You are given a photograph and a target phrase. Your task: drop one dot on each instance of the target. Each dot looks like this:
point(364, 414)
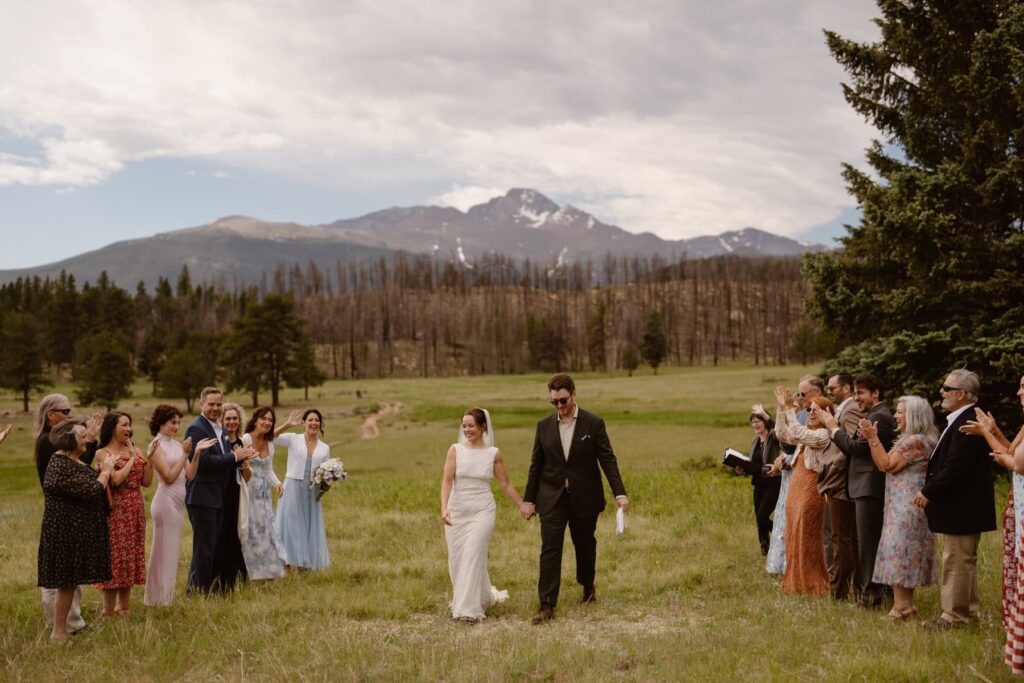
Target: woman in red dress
point(127, 513)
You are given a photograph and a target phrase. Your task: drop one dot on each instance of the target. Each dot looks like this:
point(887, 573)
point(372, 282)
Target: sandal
point(896, 615)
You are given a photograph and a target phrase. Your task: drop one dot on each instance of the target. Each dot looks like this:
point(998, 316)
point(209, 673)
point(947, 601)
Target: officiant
point(763, 451)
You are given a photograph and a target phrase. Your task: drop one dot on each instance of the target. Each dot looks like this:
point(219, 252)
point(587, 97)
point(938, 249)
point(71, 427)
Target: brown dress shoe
point(589, 595)
point(546, 613)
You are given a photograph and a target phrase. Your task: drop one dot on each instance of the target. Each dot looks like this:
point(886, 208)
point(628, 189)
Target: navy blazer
point(863, 478)
point(217, 463)
point(958, 485)
point(549, 468)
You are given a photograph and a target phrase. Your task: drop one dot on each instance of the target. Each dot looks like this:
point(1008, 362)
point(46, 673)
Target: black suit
point(865, 485)
point(958, 484)
point(204, 498)
point(766, 489)
point(569, 491)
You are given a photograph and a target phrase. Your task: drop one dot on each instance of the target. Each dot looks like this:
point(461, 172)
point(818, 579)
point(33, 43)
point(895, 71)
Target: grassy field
point(682, 595)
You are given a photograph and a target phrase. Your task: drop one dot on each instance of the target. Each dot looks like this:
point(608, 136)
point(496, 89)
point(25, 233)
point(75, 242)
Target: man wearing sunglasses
point(564, 487)
point(959, 501)
point(53, 410)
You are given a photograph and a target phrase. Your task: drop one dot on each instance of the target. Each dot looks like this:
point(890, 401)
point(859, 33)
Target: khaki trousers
point(959, 597)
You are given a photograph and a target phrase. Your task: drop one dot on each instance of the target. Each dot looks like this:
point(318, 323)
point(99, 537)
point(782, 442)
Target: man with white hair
point(959, 501)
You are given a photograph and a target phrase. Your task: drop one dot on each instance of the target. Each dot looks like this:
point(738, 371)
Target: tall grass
point(682, 595)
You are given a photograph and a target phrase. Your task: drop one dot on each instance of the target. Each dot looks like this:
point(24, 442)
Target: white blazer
point(296, 445)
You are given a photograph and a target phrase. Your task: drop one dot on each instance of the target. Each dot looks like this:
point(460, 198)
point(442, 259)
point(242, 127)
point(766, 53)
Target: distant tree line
point(403, 316)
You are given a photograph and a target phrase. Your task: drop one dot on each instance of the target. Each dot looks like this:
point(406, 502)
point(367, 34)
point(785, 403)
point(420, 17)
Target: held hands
point(527, 510)
point(280, 489)
point(920, 501)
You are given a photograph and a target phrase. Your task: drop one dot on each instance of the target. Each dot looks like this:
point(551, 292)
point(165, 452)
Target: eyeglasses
point(66, 411)
point(799, 394)
point(561, 401)
point(947, 388)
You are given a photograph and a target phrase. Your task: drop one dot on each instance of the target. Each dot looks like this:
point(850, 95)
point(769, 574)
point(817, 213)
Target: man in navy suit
point(204, 495)
point(564, 487)
point(959, 501)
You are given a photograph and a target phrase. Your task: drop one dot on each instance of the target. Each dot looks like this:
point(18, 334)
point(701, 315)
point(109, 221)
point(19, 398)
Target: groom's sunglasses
point(560, 401)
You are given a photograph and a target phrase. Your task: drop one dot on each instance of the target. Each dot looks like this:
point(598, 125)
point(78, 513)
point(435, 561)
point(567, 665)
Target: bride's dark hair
point(478, 416)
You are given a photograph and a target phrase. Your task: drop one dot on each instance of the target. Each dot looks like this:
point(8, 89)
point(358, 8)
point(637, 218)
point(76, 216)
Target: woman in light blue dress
point(257, 530)
point(300, 516)
point(776, 561)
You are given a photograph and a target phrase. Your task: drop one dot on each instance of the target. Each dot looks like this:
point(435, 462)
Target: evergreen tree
point(596, 336)
point(630, 358)
point(264, 344)
point(22, 366)
point(303, 370)
point(189, 367)
point(653, 344)
point(933, 276)
point(103, 369)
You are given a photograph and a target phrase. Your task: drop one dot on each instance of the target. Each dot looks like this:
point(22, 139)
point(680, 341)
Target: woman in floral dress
point(261, 544)
point(127, 513)
point(906, 549)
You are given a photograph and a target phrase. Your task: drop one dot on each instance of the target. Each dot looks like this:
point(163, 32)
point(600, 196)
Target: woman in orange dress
point(806, 571)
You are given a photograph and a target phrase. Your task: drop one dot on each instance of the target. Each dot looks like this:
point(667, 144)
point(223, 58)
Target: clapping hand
point(92, 427)
point(108, 463)
point(186, 445)
point(5, 431)
point(782, 395)
point(152, 448)
point(984, 424)
point(869, 430)
point(827, 419)
point(204, 444)
point(245, 453)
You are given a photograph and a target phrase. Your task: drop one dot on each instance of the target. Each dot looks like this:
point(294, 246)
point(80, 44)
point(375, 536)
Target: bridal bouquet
point(328, 472)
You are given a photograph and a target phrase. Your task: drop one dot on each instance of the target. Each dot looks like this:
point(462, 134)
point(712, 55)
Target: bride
point(467, 509)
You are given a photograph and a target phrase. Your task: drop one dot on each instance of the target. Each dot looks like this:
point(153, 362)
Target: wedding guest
point(468, 512)
point(74, 544)
point(53, 410)
point(1009, 455)
point(300, 516)
point(833, 485)
point(257, 530)
point(906, 550)
point(763, 451)
point(959, 500)
point(811, 387)
point(806, 570)
point(127, 514)
point(168, 457)
point(865, 482)
point(230, 562)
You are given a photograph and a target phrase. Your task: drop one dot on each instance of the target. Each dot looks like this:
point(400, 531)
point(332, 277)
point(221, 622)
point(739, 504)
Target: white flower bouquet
point(328, 472)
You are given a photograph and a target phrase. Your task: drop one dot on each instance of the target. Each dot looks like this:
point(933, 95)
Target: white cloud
point(680, 117)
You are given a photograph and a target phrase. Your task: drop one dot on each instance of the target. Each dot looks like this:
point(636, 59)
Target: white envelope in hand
point(620, 520)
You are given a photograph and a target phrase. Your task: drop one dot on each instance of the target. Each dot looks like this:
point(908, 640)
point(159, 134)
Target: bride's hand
point(446, 517)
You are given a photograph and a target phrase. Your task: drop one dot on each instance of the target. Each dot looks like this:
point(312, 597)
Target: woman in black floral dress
point(74, 546)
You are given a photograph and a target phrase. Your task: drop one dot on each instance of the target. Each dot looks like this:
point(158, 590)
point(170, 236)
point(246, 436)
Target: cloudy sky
point(681, 117)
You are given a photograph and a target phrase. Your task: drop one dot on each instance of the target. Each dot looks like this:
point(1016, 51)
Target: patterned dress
point(906, 550)
point(261, 544)
point(1013, 576)
point(127, 531)
point(74, 546)
point(776, 562)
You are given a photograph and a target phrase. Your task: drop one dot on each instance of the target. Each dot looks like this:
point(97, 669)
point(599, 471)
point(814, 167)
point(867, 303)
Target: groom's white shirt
point(566, 430)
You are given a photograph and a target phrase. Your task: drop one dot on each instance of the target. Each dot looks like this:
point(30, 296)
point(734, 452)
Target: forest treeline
point(402, 316)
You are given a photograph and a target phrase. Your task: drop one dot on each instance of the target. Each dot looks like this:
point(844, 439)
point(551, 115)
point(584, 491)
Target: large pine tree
point(933, 276)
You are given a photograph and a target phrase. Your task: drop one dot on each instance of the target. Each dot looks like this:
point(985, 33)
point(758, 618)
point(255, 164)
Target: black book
point(733, 458)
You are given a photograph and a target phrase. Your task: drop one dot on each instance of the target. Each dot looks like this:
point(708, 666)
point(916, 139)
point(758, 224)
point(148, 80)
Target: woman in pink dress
point(167, 509)
point(127, 514)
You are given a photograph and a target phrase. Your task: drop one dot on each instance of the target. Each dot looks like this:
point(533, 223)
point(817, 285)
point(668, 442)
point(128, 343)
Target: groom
point(565, 488)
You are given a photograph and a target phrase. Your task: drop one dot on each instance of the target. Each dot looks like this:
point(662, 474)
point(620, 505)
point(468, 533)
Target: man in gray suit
point(865, 483)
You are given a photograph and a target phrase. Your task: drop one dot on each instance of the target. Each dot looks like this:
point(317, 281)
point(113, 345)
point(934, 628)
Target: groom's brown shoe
point(546, 613)
point(589, 595)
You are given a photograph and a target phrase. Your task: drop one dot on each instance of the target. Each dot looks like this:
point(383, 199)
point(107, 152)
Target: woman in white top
point(257, 529)
point(467, 510)
point(300, 516)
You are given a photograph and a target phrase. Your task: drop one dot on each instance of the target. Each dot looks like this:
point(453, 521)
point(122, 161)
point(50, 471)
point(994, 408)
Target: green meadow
point(682, 595)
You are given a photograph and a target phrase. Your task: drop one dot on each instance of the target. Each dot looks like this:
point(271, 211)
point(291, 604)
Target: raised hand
point(204, 444)
point(295, 418)
point(5, 431)
point(869, 430)
point(92, 427)
point(758, 409)
point(781, 399)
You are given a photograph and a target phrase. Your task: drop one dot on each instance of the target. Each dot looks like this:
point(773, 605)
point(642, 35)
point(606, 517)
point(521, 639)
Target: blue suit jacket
point(216, 464)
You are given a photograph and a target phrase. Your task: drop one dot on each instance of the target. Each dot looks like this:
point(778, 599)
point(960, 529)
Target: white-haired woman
point(906, 550)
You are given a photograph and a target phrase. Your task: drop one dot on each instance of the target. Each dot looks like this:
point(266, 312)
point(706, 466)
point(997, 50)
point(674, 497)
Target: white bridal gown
point(471, 506)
